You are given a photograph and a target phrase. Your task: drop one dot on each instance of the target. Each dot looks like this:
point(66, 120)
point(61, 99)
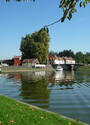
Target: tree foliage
point(79, 57)
point(87, 58)
point(68, 6)
point(67, 53)
point(53, 53)
point(36, 45)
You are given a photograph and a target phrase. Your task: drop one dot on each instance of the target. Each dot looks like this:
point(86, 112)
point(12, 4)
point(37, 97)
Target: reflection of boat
point(59, 76)
point(0, 70)
point(59, 68)
point(62, 76)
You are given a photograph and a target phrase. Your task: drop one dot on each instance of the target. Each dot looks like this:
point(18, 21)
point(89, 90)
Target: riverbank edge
point(64, 119)
point(85, 68)
point(25, 69)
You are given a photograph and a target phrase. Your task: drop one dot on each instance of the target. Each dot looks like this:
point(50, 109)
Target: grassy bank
point(24, 69)
point(84, 69)
point(13, 112)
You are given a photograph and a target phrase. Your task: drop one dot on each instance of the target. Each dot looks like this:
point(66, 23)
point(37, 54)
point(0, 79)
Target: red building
point(17, 60)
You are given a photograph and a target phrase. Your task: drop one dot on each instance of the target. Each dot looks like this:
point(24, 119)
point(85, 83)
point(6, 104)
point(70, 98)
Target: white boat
point(59, 68)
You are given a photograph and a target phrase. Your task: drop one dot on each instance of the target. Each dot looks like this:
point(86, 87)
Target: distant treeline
point(80, 57)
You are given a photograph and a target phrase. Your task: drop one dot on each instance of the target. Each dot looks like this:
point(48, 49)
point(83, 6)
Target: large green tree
point(68, 7)
point(36, 45)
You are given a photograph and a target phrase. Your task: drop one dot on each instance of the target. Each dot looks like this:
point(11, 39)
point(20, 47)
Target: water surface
point(67, 93)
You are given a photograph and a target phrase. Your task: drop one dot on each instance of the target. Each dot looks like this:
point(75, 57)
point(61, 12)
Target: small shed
point(30, 62)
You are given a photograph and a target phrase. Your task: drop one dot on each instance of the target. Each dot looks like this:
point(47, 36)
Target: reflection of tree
point(35, 89)
point(82, 77)
point(68, 85)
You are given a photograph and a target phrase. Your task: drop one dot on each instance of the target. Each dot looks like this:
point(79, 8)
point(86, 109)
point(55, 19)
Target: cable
point(53, 23)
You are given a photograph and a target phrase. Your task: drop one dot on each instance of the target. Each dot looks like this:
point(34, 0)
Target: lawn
point(13, 112)
point(84, 69)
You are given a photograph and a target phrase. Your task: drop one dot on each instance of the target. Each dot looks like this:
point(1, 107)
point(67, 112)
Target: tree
point(36, 45)
point(68, 53)
point(53, 53)
point(87, 58)
point(68, 7)
point(79, 57)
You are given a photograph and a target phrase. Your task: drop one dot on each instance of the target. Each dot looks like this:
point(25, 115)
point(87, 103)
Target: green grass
point(13, 112)
point(84, 69)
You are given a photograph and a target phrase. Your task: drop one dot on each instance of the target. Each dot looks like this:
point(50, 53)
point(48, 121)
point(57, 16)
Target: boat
point(59, 68)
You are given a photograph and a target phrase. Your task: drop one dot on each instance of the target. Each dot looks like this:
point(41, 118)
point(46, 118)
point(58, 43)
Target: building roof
point(54, 57)
point(68, 58)
point(30, 61)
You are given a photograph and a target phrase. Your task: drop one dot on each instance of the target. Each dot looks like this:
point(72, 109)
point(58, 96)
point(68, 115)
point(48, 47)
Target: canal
point(64, 92)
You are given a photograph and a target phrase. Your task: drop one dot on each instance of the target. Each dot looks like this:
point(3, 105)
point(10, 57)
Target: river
point(64, 92)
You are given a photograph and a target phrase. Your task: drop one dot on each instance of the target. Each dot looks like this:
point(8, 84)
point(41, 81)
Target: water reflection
point(33, 87)
point(61, 76)
point(62, 92)
point(62, 80)
point(35, 91)
point(17, 78)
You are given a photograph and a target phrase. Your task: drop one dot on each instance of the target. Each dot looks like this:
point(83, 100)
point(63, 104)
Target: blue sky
point(19, 19)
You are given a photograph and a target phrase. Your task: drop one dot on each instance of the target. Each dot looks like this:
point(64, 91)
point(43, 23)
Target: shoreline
point(84, 69)
point(24, 69)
